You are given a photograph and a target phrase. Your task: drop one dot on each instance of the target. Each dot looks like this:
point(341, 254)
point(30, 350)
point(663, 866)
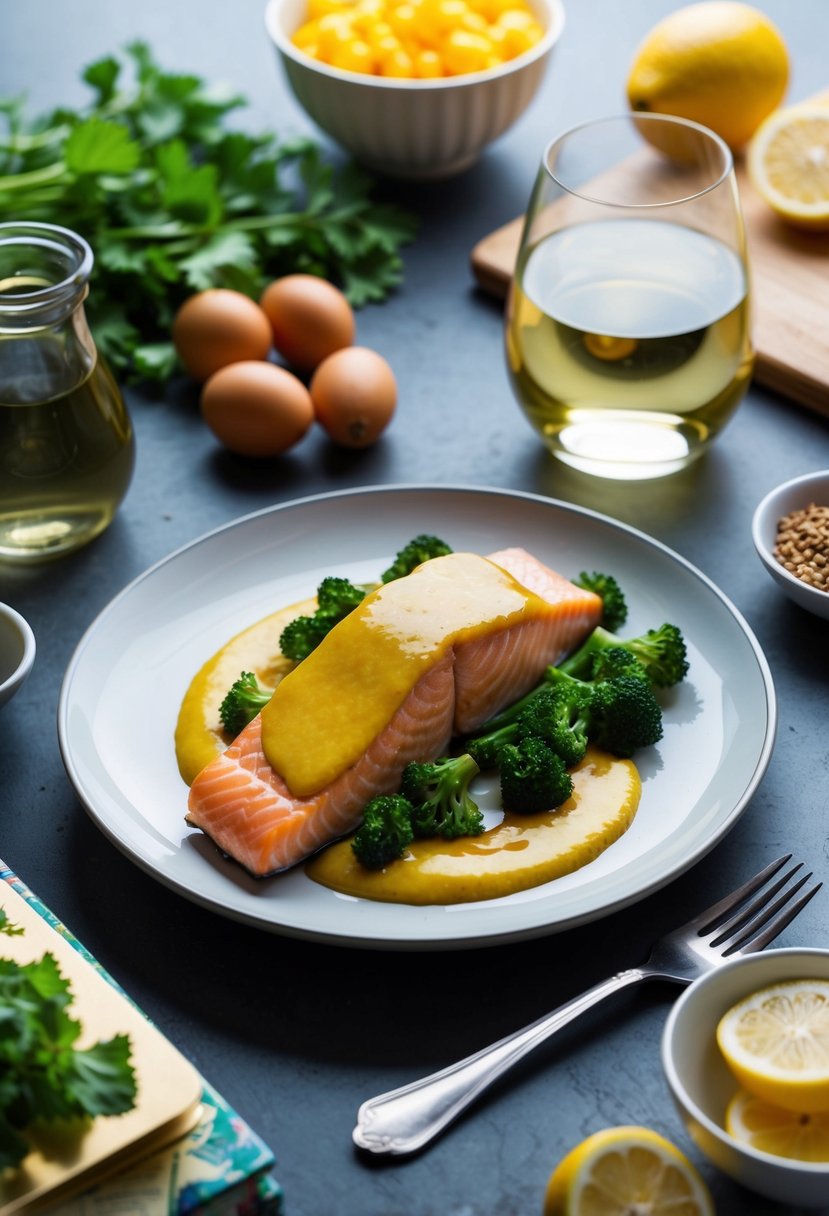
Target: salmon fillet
point(246, 808)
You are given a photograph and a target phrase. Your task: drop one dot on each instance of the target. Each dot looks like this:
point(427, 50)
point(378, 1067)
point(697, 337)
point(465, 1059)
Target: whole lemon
point(719, 63)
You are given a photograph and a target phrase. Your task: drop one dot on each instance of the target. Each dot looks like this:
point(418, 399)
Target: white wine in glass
point(627, 333)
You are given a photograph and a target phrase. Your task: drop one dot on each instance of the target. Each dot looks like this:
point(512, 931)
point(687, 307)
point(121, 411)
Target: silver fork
point(404, 1120)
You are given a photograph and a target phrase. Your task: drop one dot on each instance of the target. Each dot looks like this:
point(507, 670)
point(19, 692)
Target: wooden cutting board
point(790, 285)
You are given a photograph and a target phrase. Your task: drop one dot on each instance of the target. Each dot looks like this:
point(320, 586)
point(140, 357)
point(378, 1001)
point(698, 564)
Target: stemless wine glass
point(627, 329)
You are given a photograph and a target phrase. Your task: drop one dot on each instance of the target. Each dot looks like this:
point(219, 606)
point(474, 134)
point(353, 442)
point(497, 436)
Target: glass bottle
point(66, 440)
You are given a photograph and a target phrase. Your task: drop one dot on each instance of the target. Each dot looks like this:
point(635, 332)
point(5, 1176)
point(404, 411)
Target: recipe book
point(181, 1152)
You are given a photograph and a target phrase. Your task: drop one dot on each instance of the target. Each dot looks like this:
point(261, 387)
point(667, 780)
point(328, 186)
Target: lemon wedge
point(783, 1133)
point(720, 63)
point(776, 1042)
point(788, 163)
point(620, 1170)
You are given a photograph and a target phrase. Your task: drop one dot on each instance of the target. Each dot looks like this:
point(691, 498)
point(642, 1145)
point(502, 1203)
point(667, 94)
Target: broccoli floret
point(439, 794)
point(549, 714)
point(661, 651)
point(533, 777)
point(420, 549)
point(242, 703)
point(559, 718)
point(336, 597)
point(622, 714)
point(616, 661)
point(615, 609)
point(385, 832)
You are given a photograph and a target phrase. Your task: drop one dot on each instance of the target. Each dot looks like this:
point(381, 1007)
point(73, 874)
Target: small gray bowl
point(702, 1085)
point(17, 651)
point(790, 496)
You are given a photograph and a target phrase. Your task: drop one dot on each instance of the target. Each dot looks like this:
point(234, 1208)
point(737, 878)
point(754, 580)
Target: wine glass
point(627, 327)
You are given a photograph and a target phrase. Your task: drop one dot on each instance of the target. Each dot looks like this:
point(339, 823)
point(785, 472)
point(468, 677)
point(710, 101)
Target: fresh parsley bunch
point(173, 202)
point(42, 1075)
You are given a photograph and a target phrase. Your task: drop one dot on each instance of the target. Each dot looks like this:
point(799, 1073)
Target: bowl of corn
point(414, 89)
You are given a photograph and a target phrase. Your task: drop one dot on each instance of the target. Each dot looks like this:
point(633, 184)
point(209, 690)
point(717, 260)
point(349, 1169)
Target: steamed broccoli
point(242, 703)
point(385, 832)
point(617, 661)
point(420, 549)
point(439, 794)
point(533, 777)
point(547, 714)
point(621, 713)
point(661, 651)
point(336, 597)
point(615, 609)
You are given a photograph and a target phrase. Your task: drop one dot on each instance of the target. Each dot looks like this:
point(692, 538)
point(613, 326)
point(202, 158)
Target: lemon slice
point(788, 162)
point(626, 1169)
point(783, 1133)
point(776, 1042)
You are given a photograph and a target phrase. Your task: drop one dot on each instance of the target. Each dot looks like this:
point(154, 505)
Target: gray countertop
point(296, 1034)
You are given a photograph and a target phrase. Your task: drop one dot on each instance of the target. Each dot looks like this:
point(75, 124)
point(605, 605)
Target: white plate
point(121, 694)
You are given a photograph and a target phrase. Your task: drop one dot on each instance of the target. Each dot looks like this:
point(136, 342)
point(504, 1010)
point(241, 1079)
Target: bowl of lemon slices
point(745, 1052)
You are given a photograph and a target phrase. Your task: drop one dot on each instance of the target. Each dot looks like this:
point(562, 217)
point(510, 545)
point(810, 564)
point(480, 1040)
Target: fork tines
point(750, 924)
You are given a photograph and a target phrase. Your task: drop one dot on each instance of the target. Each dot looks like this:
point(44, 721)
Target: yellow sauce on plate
point(522, 851)
point(199, 736)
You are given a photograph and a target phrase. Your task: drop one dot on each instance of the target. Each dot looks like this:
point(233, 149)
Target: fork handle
point(404, 1120)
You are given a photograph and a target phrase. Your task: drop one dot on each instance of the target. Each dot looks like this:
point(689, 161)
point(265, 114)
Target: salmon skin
point(246, 808)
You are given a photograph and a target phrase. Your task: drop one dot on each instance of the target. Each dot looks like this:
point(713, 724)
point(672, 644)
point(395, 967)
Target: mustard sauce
point(523, 851)
point(323, 716)
point(199, 736)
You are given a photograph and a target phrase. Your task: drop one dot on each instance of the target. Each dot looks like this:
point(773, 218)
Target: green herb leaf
point(103, 1082)
point(172, 202)
point(97, 146)
point(42, 1076)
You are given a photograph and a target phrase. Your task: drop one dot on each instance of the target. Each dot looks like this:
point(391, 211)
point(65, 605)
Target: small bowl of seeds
point(791, 535)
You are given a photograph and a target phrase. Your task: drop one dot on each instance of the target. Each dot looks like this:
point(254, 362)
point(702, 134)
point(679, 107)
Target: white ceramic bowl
point(791, 496)
point(412, 128)
point(17, 651)
point(702, 1085)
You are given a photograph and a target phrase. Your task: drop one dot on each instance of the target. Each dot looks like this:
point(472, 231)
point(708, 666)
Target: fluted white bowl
point(17, 651)
point(415, 129)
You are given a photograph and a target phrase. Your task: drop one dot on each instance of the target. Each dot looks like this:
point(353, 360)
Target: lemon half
point(783, 1133)
point(788, 163)
point(719, 63)
point(620, 1170)
point(776, 1042)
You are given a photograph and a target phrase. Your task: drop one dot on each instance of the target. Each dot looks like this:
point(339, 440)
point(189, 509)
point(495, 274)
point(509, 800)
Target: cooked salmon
point(246, 807)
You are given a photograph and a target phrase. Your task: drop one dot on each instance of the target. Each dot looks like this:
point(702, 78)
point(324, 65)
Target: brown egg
point(256, 408)
point(218, 327)
point(354, 394)
point(310, 319)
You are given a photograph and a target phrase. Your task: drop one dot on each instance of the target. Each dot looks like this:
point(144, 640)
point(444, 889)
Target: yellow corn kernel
point(332, 31)
point(521, 31)
point(473, 22)
point(374, 32)
point(398, 63)
point(322, 8)
point(464, 51)
point(403, 19)
point(436, 16)
point(353, 56)
point(372, 10)
point(306, 35)
point(428, 64)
